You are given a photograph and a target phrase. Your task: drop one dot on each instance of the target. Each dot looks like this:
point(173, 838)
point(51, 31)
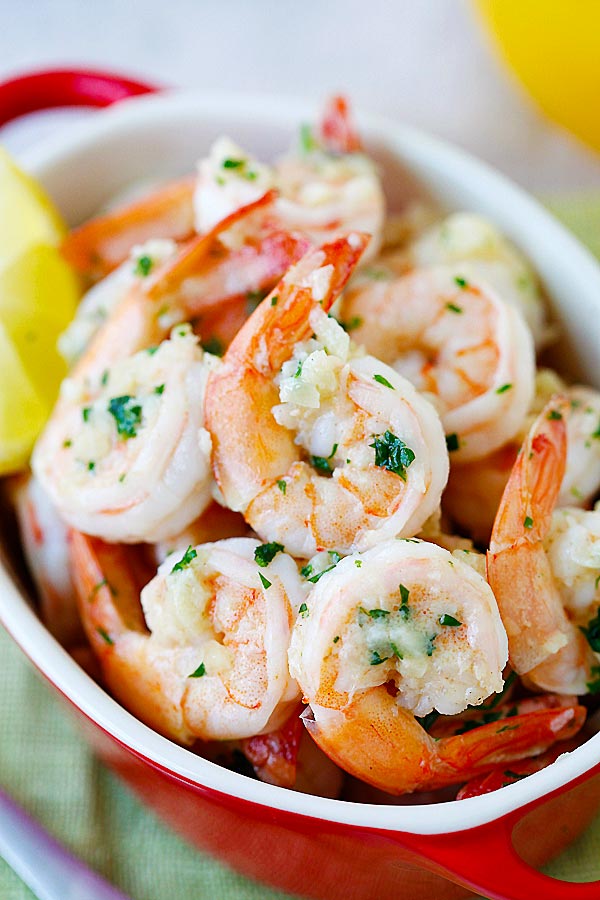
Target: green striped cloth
point(48, 768)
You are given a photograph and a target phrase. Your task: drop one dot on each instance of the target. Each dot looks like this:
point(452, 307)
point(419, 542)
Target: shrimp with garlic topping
point(391, 635)
point(200, 651)
point(455, 339)
point(128, 457)
point(318, 445)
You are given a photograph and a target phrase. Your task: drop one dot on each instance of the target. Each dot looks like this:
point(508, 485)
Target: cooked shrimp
point(207, 657)
point(474, 489)
point(474, 243)
point(100, 302)
point(543, 642)
point(325, 190)
point(352, 454)
point(126, 457)
point(402, 630)
point(455, 339)
point(45, 542)
point(103, 243)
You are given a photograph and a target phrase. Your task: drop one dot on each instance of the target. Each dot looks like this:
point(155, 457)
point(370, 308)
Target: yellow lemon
point(38, 297)
point(22, 410)
point(554, 48)
point(27, 216)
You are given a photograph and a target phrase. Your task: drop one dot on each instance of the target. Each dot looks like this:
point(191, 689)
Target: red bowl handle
point(65, 87)
point(484, 860)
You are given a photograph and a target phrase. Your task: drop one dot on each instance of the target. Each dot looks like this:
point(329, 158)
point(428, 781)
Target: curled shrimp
point(327, 188)
point(543, 642)
point(203, 655)
point(402, 630)
point(474, 489)
point(473, 242)
point(126, 457)
point(45, 542)
point(104, 242)
point(456, 339)
point(352, 454)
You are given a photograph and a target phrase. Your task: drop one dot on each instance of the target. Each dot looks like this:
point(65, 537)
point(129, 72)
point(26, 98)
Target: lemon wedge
point(38, 298)
point(27, 216)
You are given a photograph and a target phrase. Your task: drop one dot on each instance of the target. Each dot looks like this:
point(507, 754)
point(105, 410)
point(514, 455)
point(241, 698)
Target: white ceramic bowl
point(164, 135)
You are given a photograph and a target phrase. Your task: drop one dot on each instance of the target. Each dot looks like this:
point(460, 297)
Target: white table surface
point(427, 62)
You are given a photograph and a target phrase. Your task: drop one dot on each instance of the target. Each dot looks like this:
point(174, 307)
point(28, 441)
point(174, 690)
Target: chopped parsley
point(143, 266)
point(308, 144)
point(264, 581)
point(594, 685)
point(274, 301)
point(395, 650)
point(98, 587)
point(452, 307)
point(528, 522)
point(351, 324)
point(239, 166)
point(253, 298)
point(391, 453)
point(151, 350)
point(462, 283)
point(554, 414)
point(503, 388)
point(159, 389)
point(336, 639)
point(376, 659)
point(185, 561)
point(91, 465)
point(105, 636)
point(449, 620)
point(597, 582)
point(592, 632)
point(306, 571)
point(404, 608)
point(303, 610)
point(381, 380)
point(430, 645)
point(233, 163)
point(596, 433)
point(452, 442)
point(127, 415)
point(67, 443)
point(427, 721)
point(358, 564)
point(322, 462)
point(85, 413)
point(507, 728)
point(199, 672)
point(213, 345)
point(282, 485)
point(265, 554)
point(104, 378)
point(378, 613)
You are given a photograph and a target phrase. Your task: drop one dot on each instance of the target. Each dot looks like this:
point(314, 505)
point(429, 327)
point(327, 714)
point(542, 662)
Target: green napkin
point(46, 766)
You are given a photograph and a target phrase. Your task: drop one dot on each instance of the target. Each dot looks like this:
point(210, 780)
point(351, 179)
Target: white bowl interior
point(161, 136)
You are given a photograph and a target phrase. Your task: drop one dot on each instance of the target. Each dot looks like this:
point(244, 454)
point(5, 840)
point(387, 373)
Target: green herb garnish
point(105, 636)
point(127, 415)
point(452, 307)
point(592, 632)
point(452, 442)
point(322, 462)
point(449, 620)
point(461, 282)
point(381, 380)
point(503, 388)
point(554, 414)
point(303, 610)
point(528, 522)
point(199, 672)
point(213, 345)
point(378, 613)
point(391, 453)
point(282, 485)
point(265, 581)
point(265, 554)
point(143, 266)
point(185, 561)
point(376, 659)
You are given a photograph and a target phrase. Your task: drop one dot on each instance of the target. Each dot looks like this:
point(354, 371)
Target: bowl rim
point(66, 675)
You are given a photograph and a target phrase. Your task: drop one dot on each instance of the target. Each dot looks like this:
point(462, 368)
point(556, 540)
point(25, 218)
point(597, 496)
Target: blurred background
point(430, 63)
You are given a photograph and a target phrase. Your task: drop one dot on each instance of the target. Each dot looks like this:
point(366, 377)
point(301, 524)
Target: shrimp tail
point(403, 757)
point(274, 756)
point(337, 131)
point(103, 243)
point(517, 567)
